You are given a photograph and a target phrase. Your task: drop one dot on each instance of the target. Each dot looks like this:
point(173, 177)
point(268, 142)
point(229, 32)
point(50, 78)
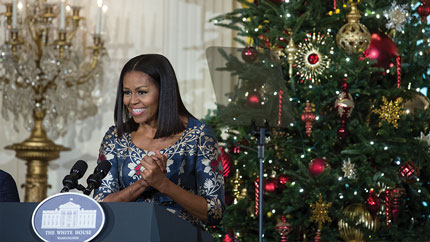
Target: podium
point(132, 221)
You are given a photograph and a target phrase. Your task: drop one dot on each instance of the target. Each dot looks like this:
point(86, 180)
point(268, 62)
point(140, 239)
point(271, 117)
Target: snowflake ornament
point(397, 16)
point(425, 138)
point(310, 62)
point(320, 212)
point(349, 169)
point(390, 111)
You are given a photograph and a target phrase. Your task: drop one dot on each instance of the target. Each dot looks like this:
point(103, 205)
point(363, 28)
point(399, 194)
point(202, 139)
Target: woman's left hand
point(154, 172)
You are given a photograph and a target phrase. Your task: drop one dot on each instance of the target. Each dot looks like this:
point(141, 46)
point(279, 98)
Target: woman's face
point(141, 97)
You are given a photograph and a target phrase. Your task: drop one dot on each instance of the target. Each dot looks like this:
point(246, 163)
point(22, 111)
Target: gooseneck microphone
point(95, 179)
point(77, 172)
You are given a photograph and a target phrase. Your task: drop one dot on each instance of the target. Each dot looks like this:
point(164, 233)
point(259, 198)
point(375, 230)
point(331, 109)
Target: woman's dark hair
point(170, 105)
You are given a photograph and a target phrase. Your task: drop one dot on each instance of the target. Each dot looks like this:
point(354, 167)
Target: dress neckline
point(174, 144)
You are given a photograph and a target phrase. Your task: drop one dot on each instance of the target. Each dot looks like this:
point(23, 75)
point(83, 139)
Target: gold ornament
point(244, 5)
point(344, 104)
point(310, 62)
point(291, 50)
point(242, 194)
point(418, 102)
point(320, 212)
point(236, 184)
point(353, 37)
point(390, 111)
point(349, 169)
point(357, 210)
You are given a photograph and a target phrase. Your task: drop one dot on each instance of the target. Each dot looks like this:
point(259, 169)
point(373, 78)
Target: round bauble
point(317, 166)
point(253, 100)
point(418, 102)
point(249, 54)
point(353, 37)
point(347, 231)
point(424, 10)
point(383, 49)
point(270, 185)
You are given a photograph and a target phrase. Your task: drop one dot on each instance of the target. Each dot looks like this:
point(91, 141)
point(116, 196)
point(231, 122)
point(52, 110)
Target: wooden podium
point(133, 221)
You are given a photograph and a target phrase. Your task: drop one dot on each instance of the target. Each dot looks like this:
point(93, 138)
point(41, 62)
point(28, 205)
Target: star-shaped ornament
point(349, 169)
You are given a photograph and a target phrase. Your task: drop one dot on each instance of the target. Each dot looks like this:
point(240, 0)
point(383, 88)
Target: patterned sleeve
point(107, 151)
point(210, 177)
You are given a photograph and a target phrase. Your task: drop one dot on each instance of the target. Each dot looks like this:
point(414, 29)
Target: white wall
point(178, 29)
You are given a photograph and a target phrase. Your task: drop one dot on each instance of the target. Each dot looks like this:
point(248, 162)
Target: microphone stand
point(260, 133)
point(78, 187)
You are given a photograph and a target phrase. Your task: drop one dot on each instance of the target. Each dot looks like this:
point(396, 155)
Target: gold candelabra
point(48, 78)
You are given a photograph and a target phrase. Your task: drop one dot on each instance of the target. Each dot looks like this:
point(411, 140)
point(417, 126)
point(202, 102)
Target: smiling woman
point(159, 152)
point(141, 97)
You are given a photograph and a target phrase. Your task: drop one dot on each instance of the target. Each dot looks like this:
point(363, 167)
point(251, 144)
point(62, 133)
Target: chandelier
point(48, 78)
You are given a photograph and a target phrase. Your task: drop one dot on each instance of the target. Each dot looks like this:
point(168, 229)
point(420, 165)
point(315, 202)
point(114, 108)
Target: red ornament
point(396, 194)
point(283, 228)
point(253, 100)
point(308, 117)
point(382, 49)
point(344, 104)
point(313, 58)
point(282, 40)
point(257, 195)
point(342, 132)
point(249, 54)
point(409, 172)
point(373, 204)
point(424, 10)
point(226, 162)
point(387, 199)
point(239, 147)
point(230, 237)
point(282, 181)
point(270, 185)
point(317, 166)
point(265, 40)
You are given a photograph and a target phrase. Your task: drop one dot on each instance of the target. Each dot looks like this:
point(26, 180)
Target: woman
point(159, 152)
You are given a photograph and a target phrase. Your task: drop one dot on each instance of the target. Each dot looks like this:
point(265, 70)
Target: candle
point(62, 16)
point(14, 15)
point(99, 16)
point(102, 21)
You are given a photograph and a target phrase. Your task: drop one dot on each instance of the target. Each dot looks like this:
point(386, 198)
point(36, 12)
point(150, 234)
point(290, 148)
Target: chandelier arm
point(74, 30)
point(30, 30)
point(82, 79)
point(50, 84)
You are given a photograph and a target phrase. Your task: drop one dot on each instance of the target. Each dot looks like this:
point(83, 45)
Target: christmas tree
point(353, 162)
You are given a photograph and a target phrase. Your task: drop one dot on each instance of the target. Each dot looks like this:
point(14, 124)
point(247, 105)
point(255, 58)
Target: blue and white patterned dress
point(193, 163)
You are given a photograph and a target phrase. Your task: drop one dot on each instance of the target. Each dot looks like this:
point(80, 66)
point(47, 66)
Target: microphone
point(95, 179)
point(77, 172)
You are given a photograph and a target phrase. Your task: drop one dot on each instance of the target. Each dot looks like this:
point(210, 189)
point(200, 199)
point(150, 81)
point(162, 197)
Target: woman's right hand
point(155, 169)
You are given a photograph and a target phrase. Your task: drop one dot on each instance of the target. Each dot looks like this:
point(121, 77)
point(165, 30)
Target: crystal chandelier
point(45, 65)
point(48, 76)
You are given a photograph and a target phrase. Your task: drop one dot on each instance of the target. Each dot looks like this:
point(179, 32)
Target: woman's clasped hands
point(153, 169)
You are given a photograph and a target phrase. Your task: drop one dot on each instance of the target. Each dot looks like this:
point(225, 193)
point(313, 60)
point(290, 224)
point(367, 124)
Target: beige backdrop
point(178, 29)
